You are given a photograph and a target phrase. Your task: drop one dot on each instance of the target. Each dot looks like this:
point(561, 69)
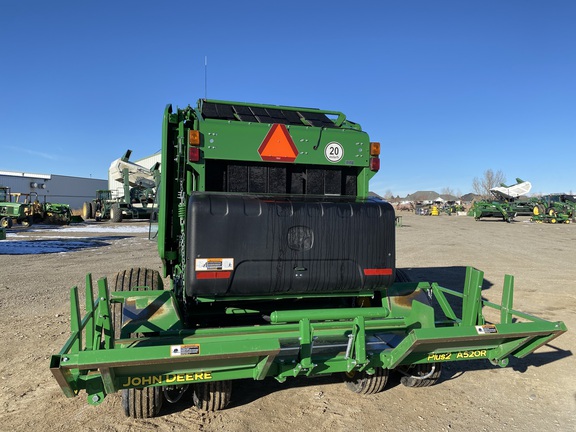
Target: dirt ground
point(535, 393)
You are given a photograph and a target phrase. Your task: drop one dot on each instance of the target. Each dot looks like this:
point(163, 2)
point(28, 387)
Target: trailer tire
point(212, 396)
point(137, 402)
point(115, 213)
point(87, 212)
point(362, 383)
point(142, 402)
point(412, 374)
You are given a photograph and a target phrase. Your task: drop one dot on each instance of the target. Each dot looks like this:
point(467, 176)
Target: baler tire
point(137, 402)
point(364, 384)
point(411, 376)
point(212, 396)
point(115, 214)
point(127, 280)
point(142, 403)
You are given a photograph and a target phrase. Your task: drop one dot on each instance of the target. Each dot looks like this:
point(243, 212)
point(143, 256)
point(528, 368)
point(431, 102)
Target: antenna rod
point(205, 77)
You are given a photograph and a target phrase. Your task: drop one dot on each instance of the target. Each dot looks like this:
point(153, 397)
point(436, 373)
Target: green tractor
point(12, 211)
point(555, 208)
point(26, 209)
point(280, 265)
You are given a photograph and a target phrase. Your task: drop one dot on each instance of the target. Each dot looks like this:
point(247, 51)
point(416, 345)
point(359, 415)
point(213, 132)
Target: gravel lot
point(38, 266)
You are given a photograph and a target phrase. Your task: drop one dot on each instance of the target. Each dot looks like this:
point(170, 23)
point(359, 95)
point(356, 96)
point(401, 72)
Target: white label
point(214, 264)
point(486, 329)
point(184, 350)
point(334, 152)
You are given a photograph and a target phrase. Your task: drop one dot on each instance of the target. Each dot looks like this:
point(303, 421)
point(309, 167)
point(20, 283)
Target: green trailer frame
point(406, 331)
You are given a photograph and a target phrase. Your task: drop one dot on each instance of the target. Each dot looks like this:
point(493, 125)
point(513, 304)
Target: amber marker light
point(194, 137)
point(374, 149)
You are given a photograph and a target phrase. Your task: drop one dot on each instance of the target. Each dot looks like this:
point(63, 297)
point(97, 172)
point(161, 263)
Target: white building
point(53, 188)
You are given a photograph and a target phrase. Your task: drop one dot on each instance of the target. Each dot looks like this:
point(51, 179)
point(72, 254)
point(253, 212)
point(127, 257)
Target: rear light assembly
point(194, 143)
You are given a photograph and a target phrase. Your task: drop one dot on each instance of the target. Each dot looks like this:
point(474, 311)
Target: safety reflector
point(193, 154)
point(378, 272)
point(278, 145)
point(213, 275)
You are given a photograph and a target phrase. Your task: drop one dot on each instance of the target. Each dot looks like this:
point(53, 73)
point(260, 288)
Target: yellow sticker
point(460, 355)
point(181, 378)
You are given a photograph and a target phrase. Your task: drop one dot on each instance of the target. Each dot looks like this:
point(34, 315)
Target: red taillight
point(374, 164)
point(193, 154)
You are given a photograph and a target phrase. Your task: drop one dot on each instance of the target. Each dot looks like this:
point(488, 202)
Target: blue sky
point(450, 88)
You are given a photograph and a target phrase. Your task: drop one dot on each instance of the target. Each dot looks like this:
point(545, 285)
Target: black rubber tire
point(212, 395)
point(364, 384)
point(26, 222)
point(416, 371)
point(87, 212)
point(6, 222)
point(134, 279)
point(137, 402)
point(538, 210)
point(142, 403)
point(115, 213)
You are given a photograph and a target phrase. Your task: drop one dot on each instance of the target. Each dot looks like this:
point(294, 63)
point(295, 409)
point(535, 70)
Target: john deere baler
point(280, 265)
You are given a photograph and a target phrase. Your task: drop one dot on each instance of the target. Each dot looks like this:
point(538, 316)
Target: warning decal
point(184, 350)
point(486, 329)
point(214, 264)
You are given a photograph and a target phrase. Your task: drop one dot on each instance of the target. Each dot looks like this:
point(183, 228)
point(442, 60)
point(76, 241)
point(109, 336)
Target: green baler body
point(266, 156)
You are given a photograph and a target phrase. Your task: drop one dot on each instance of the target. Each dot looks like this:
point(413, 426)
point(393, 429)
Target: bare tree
point(447, 191)
point(388, 195)
point(491, 179)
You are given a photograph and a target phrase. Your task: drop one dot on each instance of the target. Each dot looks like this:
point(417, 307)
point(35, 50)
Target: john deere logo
point(300, 238)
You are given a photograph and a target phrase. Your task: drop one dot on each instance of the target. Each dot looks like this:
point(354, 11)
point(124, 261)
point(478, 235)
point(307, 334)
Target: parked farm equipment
point(137, 201)
point(280, 266)
point(507, 203)
point(555, 208)
point(26, 209)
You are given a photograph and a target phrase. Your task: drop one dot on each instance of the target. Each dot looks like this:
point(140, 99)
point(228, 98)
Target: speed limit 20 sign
point(334, 152)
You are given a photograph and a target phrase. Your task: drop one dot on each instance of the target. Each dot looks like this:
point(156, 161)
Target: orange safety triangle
point(278, 145)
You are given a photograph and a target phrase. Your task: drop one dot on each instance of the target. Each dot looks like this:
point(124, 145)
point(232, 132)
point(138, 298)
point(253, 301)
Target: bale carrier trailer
point(280, 265)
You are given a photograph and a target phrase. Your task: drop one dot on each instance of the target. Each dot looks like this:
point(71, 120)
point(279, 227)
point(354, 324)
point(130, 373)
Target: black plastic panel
point(258, 114)
point(291, 246)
